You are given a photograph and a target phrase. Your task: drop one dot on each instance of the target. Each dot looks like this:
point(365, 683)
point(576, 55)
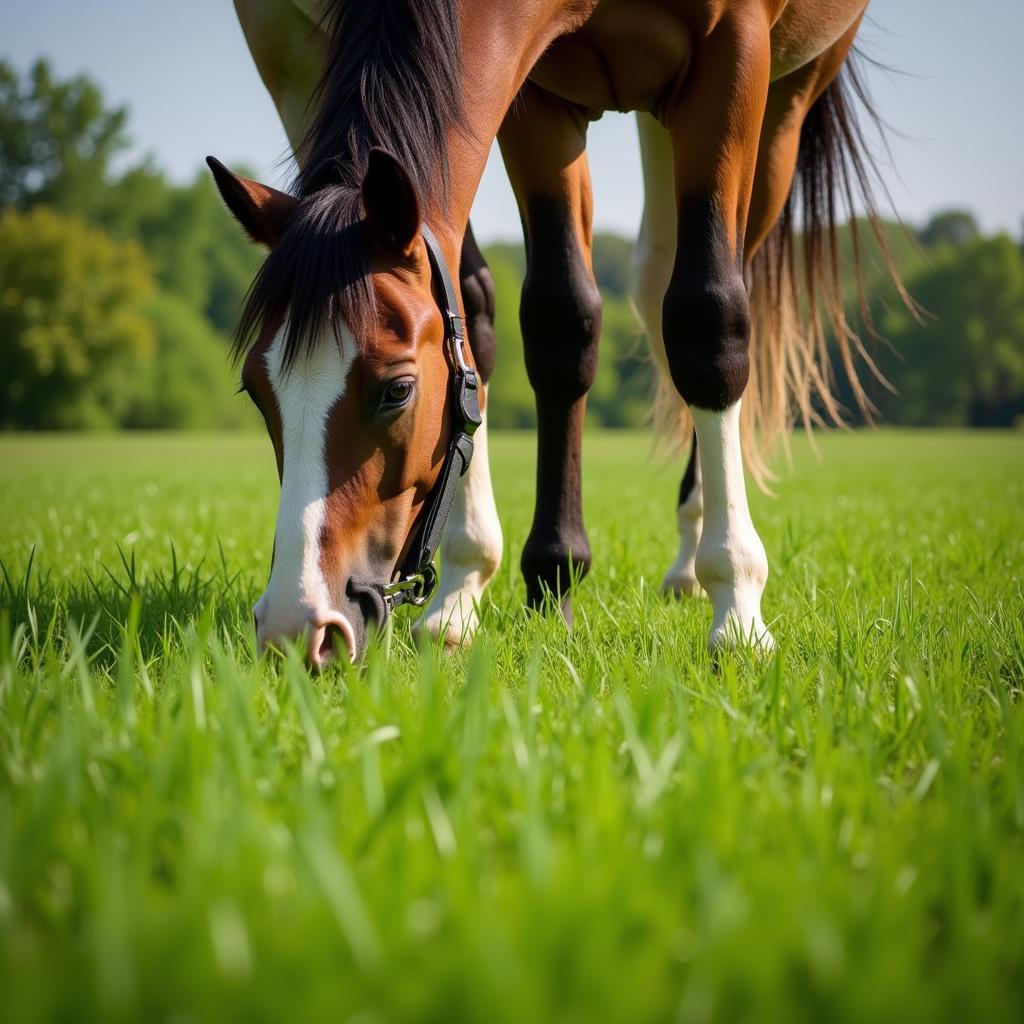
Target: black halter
point(417, 576)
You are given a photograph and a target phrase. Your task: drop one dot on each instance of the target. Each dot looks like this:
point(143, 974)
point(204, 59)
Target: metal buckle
point(415, 589)
point(457, 342)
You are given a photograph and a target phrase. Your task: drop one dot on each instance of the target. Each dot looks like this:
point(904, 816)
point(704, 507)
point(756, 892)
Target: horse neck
point(500, 44)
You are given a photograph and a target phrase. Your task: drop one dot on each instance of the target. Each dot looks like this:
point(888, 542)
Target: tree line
point(119, 290)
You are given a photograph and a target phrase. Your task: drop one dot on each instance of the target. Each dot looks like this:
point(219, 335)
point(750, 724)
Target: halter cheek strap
point(417, 576)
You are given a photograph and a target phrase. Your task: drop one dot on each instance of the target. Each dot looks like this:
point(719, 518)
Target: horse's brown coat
point(731, 80)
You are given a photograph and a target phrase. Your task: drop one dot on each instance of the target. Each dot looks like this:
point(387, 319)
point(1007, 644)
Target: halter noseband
point(417, 576)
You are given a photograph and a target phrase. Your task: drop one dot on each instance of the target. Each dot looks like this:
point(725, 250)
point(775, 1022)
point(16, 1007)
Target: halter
point(417, 576)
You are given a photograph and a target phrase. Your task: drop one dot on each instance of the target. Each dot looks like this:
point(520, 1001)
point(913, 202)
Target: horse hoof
point(681, 584)
point(545, 602)
point(454, 622)
point(732, 636)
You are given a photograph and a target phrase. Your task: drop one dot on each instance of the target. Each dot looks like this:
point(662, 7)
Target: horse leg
point(543, 143)
point(287, 48)
point(715, 125)
point(653, 257)
point(681, 578)
point(472, 545)
point(789, 100)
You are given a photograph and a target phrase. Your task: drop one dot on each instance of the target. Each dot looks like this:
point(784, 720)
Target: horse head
point(343, 350)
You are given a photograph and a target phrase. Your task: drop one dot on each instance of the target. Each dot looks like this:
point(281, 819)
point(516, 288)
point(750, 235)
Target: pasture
point(552, 826)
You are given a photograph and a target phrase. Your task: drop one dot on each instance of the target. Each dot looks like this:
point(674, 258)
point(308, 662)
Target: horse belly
point(807, 28)
point(622, 58)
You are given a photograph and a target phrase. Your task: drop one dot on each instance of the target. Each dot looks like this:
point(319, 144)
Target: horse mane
point(391, 80)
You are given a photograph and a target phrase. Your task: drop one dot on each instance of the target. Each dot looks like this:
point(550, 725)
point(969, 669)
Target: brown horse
point(392, 106)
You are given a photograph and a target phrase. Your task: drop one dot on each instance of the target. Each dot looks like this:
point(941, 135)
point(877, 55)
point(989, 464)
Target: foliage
point(951, 227)
point(198, 252)
point(56, 140)
point(966, 364)
point(75, 339)
point(554, 826)
point(56, 145)
point(190, 381)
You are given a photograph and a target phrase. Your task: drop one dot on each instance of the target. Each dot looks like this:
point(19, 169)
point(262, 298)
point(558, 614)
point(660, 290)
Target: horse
point(352, 339)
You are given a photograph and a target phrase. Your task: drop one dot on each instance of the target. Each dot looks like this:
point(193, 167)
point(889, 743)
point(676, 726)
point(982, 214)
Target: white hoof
point(453, 617)
point(681, 581)
point(738, 634)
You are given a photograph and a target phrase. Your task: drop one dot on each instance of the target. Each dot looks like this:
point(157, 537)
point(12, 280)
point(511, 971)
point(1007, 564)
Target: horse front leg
point(472, 546)
point(543, 143)
point(715, 123)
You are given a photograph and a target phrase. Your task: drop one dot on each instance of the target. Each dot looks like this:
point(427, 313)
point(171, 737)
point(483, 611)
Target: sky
point(182, 67)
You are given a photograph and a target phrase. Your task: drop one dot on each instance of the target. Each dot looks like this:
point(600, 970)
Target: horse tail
point(800, 328)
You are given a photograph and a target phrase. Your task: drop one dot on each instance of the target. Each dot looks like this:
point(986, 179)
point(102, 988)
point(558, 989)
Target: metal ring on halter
point(415, 589)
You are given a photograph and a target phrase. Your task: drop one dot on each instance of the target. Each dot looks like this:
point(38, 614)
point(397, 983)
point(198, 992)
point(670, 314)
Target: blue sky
point(186, 74)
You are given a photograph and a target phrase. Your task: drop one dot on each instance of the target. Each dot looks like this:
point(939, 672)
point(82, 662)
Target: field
point(599, 825)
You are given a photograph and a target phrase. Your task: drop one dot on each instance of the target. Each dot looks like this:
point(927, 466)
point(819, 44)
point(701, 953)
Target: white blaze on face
point(305, 395)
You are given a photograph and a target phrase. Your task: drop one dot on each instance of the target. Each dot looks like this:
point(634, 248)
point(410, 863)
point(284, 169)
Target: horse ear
point(260, 209)
point(390, 202)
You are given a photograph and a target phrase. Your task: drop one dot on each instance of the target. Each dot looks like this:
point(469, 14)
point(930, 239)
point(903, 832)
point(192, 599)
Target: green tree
point(74, 343)
point(198, 252)
point(190, 382)
point(950, 227)
point(56, 140)
point(965, 365)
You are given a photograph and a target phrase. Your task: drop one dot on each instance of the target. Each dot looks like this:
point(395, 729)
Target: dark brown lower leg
point(560, 317)
point(543, 143)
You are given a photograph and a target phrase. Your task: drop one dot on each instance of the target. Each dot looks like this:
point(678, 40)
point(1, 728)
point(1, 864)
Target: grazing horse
point(351, 337)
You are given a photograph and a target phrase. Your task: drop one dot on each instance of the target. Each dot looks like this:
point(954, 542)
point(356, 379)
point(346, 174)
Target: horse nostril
point(333, 640)
point(328, 638)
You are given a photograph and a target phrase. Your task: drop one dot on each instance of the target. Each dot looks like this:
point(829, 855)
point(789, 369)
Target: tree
point(190, 382)
point(56, 140)
point(950, 227)
point(198, 252)
point(965, 365)
point(74, 342)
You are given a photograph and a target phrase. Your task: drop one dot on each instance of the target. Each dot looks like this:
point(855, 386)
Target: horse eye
point(397, 393)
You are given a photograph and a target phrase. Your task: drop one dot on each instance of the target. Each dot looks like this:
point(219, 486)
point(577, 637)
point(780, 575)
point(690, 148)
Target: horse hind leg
point(472, 546)
point(681, 577)
point(653, 257)
point(287, 47)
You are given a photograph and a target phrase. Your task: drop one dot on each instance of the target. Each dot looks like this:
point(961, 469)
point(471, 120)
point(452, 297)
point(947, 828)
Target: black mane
point(391, 80)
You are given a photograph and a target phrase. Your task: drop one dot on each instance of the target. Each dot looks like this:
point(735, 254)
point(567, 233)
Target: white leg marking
point(653, 258)
point(731, 563)
point(470, 552)
point(305, 396)
point(655, 249)
point(681, 578)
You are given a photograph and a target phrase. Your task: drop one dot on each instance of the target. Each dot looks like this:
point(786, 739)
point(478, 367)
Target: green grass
point(584, 826)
